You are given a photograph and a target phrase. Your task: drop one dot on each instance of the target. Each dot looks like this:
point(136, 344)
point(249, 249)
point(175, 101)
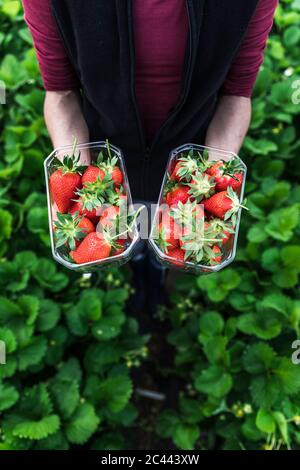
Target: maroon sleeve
point(56, 69)
point(242, 75)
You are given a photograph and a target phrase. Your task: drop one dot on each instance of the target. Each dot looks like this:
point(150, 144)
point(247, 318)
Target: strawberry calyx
point(95, 194)
point(235, 205)
point(184, 214)
point(69, 163)
point(201, 186)
point(221, 229)
point(186, 166)
point(67, 230)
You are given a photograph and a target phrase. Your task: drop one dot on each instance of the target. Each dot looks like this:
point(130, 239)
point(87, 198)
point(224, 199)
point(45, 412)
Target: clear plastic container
point(62, 253)
point(212, 226)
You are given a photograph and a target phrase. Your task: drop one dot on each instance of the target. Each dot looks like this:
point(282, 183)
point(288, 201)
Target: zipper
point(146, 149)
point(185, 86)
point(134, 100)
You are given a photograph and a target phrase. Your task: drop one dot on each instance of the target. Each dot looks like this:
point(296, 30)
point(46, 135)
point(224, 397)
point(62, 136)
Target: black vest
point(98, 36)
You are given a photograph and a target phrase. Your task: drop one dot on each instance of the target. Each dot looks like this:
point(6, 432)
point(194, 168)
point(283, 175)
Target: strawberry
point(201, 186)
point(92, 197)
point(221, 229)
point(65, 181)
point(117, 197)
point(224, 205)
point(184, 169)
point(79, 206)
point(179, 193)
point(110, 166)
point(91, 174)
point(188, 213)
point(94, 247)
point(217, 254)
point(227, 174)
point(109, 216)
point(120, 246)
point(168, 233)
point(214, 169)
point(178, 256)
point(71, 229)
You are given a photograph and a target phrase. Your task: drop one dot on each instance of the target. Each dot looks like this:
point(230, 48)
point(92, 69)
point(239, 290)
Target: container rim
point(189, 264)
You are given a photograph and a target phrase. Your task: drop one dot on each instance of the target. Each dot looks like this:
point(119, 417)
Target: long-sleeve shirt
point(160, 31)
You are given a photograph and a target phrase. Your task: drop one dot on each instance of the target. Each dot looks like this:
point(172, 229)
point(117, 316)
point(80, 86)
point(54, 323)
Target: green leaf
point(8, 396)
point(265, 391)
point(282, 426)
point(259, 358)
point(66, 396)
point(82, 424)
point(257, 233)
point(36, 430)
point(46, 274)
point(211, 323)
point(186, 435)
point(11, 73)
point(282, 223)
point(109, 326)
point(115, 392)
point(290, 257)
point(264, 326)
point(265, 421)
point(6, 221)
point(30, 307)
point(214, 381)
point(289, 376)
point(9, 339)
point(285, 278)
point(271, 259)
point(166, 423)
point(291, 36)
point(32, 353)
point(49, 315)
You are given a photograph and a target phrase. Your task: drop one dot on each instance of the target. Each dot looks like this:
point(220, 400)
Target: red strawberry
point(91, 174)
point(178, 255)
point(223, 204)
point(235, 182)
point(110, 166)
point(64, 183)
point(71, 229)
point(184, 169)
point(168, 233)
point(117, 176)
point(86, 225)
point(218, 254)
point(78, 206)
point(120, 246)
point(214, 169)
point(109, 216)
point(178, 194)
point(227, 174)
point(202, 186)
point(93, 248)
point(220, 229)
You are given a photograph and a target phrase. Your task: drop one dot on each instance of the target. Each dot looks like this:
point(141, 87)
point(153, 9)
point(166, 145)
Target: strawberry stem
point(108, 148)
point(75, 142)
point(129, 227)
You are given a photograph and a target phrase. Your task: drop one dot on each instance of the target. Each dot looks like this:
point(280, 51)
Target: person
point(149, 75)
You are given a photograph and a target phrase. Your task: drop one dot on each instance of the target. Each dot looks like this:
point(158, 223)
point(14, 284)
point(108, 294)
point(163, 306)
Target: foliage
point(67, 381)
